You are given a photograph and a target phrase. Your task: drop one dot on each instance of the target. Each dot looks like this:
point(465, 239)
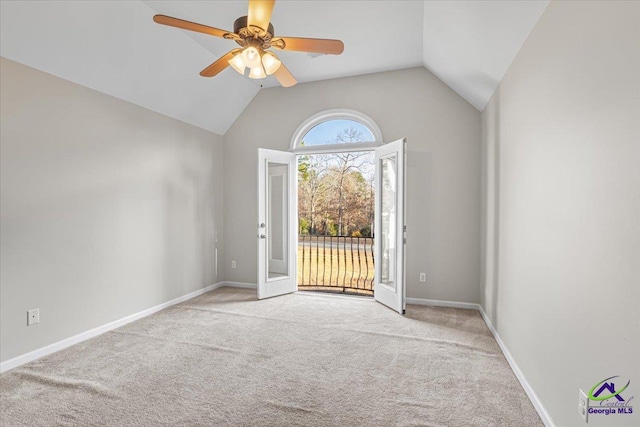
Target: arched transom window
point(336, 130)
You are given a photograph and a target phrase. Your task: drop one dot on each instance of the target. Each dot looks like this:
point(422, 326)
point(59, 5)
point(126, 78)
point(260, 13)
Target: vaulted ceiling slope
point(115, 47)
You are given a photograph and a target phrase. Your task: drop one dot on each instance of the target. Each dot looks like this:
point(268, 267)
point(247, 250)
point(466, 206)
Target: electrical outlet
point(583, 406)
point(423, 277)
point(33, 316)
point(233, 264)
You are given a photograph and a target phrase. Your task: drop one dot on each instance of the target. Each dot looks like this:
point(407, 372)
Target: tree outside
point(335, 191)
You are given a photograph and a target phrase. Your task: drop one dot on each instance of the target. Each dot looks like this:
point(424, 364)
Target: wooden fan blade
point(219, 65)
point(191, 26)
point(334, 47)
point(284, 76)
point(260, 13)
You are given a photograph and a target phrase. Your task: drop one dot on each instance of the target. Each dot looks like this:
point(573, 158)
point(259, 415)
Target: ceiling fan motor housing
point(246, 32)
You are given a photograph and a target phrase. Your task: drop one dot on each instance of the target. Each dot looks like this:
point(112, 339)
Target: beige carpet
point(224, 358)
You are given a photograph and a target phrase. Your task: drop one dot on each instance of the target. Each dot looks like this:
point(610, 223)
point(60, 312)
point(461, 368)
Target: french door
point(277, 227)
point(277, 217)
point(390, 230)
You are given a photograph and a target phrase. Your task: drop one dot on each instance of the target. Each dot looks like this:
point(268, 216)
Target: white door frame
point(391, 292)
point(270, 285)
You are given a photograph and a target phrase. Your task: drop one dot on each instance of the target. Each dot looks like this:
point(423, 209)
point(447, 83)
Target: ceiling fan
point(255, 34)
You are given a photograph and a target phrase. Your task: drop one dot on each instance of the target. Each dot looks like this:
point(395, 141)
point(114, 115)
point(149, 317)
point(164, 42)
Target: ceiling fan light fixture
point(251, 57)
point(270, 62)
point(237, 63)
point(257, 72)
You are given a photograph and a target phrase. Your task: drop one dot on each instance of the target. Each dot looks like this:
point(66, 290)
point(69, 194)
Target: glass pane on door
point(388, 224)
point(277, 221)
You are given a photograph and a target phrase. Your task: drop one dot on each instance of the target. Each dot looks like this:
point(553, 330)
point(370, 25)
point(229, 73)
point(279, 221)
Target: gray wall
point(444, 177)
point(107, 208)
point(562, 218)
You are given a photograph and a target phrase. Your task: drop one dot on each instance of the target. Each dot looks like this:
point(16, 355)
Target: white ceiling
point(470, 45)
point(115, 47)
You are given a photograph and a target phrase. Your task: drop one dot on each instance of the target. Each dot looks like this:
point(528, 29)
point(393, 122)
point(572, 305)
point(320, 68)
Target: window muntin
point(340, 131)
point(318, 133)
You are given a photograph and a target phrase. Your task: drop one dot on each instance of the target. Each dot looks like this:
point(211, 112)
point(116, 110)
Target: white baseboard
point(537, 404)
point(239, 285)
point(440, 303)
point(68, 342)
